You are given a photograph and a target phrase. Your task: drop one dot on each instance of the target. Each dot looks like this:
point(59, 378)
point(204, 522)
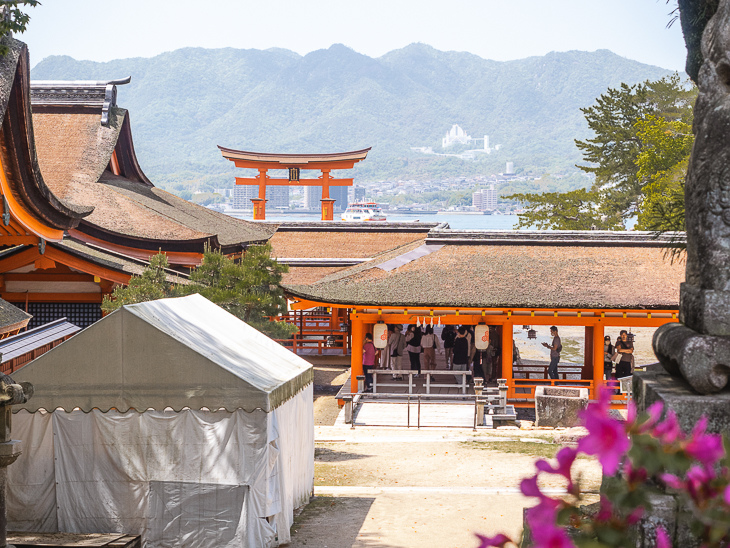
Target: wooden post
point(358, 333)
point(587, 370)
point(259, 204)
point(327, 202)
point(507, 354)
point(598, 382)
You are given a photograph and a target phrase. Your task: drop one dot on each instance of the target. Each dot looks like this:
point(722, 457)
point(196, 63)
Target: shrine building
point(593, 280)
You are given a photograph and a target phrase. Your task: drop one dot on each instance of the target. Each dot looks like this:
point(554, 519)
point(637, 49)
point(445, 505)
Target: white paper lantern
point(481, 336)
point(380, 335)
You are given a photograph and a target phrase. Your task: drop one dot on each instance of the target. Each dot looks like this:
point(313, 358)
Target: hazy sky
point(101, 30)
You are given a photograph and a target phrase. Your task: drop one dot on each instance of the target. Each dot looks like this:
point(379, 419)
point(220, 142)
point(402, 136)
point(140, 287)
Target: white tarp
point(186, 478)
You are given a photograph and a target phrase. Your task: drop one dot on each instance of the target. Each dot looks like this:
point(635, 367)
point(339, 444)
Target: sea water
point(456, 222)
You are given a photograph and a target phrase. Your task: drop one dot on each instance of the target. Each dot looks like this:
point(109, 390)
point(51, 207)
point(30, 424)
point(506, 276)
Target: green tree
point(151, 285)
point(626, 122)
point(248, 289)
point(13, 18)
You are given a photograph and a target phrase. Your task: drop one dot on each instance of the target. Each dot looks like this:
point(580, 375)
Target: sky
point(101, 30)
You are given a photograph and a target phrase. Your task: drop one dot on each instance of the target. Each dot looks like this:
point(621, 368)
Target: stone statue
point(698, 348)
point(10, 394)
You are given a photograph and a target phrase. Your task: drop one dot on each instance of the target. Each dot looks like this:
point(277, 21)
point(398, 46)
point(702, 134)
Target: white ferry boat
point(363, 211)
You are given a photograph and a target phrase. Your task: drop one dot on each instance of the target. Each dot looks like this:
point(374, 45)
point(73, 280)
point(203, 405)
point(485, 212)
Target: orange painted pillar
point(358, 334)
point(328, 209)
point(598, 382)
point(259, 204)
point(327, 202)
point(507, 357)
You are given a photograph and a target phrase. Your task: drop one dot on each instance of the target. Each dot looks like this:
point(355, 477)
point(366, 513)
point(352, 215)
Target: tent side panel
point(85, 371)
point(294, 423)
point(31, 486)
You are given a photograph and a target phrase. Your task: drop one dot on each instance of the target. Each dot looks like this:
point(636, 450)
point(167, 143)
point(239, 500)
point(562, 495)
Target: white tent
point(172, 419)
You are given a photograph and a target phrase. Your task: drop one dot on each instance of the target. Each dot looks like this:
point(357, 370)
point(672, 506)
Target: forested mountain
point(185, 102)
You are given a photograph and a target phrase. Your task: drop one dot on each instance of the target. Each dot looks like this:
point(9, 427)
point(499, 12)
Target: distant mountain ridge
point(185, 102)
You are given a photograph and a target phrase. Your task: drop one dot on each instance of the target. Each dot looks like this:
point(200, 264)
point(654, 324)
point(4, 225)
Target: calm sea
point(457, 222)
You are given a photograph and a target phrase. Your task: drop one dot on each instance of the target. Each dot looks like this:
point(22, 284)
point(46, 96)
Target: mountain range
point(185, 102)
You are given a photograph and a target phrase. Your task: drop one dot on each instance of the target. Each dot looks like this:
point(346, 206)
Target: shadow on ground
point(334, 522)
point(324, 454)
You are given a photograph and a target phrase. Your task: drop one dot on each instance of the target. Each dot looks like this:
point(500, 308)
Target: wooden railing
point(328, 340)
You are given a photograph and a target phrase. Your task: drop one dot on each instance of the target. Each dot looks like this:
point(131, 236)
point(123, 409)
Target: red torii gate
point(263, 162)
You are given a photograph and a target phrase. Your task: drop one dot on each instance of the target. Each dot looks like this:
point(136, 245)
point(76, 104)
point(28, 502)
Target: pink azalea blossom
point(565, 457)
point(662, 539)
point(605, 512)
point(655, 413)
point(499, 541)
point(706, 448)
point(634, 475)
point(545, 534)
point(727, 495)
point(606, 436)
point(668, 431)
point(698, 478)
point(635, 515)
point(670, 480)
point(630, 413)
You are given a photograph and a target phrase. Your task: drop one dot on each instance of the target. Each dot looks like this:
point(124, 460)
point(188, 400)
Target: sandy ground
point(397, 487)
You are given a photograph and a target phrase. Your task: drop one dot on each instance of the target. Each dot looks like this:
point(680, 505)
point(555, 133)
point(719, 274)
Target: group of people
point(622, 353)
point(421, 346)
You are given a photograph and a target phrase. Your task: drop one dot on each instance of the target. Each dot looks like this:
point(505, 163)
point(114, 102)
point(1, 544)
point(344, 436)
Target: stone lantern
point(10, 449)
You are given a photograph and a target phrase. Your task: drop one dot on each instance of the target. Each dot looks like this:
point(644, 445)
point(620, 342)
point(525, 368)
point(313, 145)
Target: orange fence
point(521, 392)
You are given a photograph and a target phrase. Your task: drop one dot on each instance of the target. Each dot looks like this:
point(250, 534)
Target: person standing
point(625, 348)
point(413, 347)
point(368, 359)
point(555, 348)
point(396, 341)
point(430, 344)
point(461, 353)
point(607, 356)
point(448, 335)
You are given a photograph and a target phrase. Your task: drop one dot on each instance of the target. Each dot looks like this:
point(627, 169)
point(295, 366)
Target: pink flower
point(545, 534)
point(566, 456)
point(662, 539)
point(727, 495)
point(698, 479)
point(606, 436)
point(655, 413)
point(635, 515)
point(605, 512)
point(670, 480)
point(668, 431)
point(631, 413)
point(706, 448)
point(529, 488)
point(499, 541)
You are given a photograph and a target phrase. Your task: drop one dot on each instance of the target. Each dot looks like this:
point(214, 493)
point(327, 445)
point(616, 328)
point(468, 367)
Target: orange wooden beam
point(47, 277)
point(176, 258)
point(24, 258)
point(287, 182)
point(27, 219)
point(317, 166)
point(85, 266)
point(52, 297)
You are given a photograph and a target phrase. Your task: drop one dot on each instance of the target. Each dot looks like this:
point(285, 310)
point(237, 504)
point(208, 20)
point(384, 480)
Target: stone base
point(689, 406)
point(559, 406)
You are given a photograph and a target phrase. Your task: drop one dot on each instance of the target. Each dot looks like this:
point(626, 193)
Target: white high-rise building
point(485, 199)
point(276, 196)
point(510, 168)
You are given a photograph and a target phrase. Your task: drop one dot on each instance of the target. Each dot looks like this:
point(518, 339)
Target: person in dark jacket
point(607, 355)
point(448, 335)
point(461, 353)
point(413, 346)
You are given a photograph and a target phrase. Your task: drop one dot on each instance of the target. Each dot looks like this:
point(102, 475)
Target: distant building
point(356, 193)
point(485, 199)
point(455, 135)
point(313, 197)
point(510, 169)
point(277, 196)
point(225, 192)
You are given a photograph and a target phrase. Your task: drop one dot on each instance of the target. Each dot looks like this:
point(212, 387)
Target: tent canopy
point(183, 352)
